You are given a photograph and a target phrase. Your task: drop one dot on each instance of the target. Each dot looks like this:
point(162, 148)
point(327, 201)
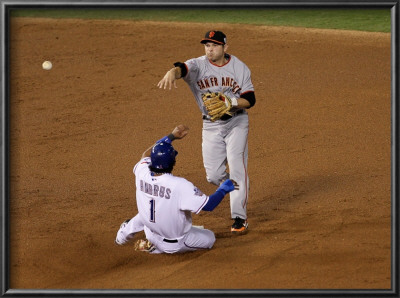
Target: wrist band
point(234, 101)
point(171, 137)
point(167, 139)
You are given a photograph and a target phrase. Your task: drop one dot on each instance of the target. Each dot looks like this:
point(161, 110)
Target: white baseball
point(47, 65)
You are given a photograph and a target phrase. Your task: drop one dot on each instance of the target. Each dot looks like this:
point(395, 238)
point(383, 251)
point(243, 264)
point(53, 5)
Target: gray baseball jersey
point(233, 78)
point(224, 141)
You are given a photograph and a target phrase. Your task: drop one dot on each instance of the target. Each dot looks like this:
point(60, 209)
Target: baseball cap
point(215, 37)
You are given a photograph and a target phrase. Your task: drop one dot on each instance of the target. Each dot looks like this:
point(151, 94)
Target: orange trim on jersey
point(187, 69)
point(222, 64)
point(246, 92)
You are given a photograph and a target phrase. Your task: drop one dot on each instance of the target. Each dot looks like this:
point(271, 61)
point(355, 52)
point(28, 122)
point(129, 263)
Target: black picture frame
point(6, 6)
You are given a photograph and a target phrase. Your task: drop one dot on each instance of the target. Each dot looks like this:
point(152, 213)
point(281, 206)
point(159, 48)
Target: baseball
point(47, 65)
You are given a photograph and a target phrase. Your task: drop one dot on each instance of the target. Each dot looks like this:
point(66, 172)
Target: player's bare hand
point(180, 131)
point(168, 80)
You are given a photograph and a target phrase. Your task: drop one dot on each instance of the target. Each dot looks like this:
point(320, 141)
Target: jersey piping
point(229, 59)
point(201, 207)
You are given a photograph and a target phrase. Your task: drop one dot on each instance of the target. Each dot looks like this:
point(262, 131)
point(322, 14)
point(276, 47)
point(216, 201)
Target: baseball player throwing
point(165, 203)
point(222, 87)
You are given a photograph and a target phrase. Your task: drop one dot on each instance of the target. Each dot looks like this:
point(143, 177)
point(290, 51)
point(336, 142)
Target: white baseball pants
point(195, 239)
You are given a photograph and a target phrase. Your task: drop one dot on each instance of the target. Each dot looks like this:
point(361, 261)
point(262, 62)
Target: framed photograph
point(309, 138)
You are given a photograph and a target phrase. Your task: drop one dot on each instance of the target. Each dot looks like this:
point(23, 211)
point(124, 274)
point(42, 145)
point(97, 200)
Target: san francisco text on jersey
point(213, 82)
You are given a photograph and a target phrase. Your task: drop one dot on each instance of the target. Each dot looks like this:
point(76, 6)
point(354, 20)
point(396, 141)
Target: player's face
point(214, 52)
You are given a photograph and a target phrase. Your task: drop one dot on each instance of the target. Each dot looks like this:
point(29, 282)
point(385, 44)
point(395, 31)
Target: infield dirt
point(319, 156)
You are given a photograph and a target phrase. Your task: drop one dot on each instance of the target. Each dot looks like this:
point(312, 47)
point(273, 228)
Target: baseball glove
point(217, 104)
point(144, 245)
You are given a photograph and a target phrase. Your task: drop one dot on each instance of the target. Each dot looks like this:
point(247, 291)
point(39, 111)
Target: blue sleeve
point(214, 200)
point(226, 187)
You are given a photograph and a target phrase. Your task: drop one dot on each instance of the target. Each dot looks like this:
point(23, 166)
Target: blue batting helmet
point(163, 156)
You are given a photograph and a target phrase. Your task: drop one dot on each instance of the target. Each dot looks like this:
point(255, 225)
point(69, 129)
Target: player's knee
point(212, 180)
point(211, 239)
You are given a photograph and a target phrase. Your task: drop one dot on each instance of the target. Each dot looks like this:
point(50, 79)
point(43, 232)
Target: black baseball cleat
point(240, 226)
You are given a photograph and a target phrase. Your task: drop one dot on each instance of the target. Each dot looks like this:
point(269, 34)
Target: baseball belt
point(170, 240)
point(226, 116)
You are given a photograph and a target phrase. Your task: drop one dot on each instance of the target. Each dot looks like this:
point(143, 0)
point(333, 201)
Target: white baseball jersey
point(165, 202)
point(233, 78)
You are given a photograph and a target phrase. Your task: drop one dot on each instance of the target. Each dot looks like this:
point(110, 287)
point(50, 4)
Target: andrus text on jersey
point(155, 190)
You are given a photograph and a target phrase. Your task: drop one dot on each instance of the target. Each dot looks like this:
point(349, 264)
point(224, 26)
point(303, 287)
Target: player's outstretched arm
point(178, 132)
point(226, 187)
point(170, 78)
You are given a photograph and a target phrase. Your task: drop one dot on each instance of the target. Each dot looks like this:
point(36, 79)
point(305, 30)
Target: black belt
point(226, 116)
point(170, 240)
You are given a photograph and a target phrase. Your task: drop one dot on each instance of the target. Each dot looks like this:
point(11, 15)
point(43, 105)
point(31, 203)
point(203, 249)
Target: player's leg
point(198, 238)
point(237, 156)
point(214, 153)
point(128, 229)
point(195, 239)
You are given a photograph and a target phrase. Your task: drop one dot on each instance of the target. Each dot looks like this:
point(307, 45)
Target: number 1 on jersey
point(152, 210)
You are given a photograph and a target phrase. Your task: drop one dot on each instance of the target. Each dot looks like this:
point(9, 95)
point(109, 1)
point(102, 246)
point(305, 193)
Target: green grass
point(373, 20)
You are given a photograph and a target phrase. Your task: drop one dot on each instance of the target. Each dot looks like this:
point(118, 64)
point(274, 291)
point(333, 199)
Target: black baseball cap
point(214, 36)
